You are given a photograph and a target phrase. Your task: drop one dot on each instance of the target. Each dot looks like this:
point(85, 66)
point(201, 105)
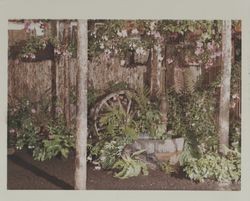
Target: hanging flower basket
point(141, 56)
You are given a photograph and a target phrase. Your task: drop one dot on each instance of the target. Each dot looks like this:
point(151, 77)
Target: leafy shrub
point(119, 123)
point(235, 135)
point(130, 166)
point(122, 128)
point(27, 135)
point(59, 141)
point(110, 153)
point(27, 123)
point(191, 115)
point(215, 167)
point(149, 117)
point(24, 117)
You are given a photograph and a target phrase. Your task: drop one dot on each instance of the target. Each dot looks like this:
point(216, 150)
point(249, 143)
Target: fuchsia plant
point(197, 41)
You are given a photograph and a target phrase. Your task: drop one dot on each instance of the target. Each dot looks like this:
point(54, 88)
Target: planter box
point(164, 150)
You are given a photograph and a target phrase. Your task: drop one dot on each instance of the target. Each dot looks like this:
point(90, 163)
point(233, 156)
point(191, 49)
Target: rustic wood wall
point(33, 79)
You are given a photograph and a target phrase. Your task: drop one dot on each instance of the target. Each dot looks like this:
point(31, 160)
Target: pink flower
point(210, 46)
point(33, 111)
point(199, 44)
point(218, 54)
point(169, 60)
point(157, 35)
point(198, 51)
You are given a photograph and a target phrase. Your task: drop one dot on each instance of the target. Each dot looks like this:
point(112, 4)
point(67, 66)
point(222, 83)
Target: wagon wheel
point(123, 99)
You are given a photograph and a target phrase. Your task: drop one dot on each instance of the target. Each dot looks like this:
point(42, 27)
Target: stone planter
point(164, 150)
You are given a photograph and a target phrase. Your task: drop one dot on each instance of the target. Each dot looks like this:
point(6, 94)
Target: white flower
point(169, 60)
point(236, 96)
point(97, 167)
point(123, 33)
point(105, 38)
point(199, 44)
point(101, 45)
point(33, 111)
point(95, 162)
point(12, 130)
point(140, 51)
point(107, 52)
point(160, 58)
point(122, 62)
point(152, 25)
point(135, 31)
point(89, 158)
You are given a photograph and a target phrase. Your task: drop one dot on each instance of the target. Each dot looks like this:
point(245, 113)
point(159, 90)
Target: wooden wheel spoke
point(121, 100)
point(107, 105)
point(129, 106)
point(101, 128)
point(120, 104)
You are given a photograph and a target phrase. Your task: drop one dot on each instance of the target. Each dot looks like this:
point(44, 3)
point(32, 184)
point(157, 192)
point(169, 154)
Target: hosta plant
point(213, 166)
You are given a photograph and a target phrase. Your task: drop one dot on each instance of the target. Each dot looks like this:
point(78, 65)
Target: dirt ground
point(25, 173)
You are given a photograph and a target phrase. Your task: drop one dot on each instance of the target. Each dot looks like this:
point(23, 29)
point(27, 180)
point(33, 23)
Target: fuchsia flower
point(199, 44)
point(169, 60)
point(199, 51)
point(210, 46)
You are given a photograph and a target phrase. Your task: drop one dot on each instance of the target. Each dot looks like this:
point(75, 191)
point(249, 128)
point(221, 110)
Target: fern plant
point(130, 166)
point(149, 117)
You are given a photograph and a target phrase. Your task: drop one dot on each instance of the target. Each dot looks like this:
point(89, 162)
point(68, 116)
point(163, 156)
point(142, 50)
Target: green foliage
point(214, 166)
point(24, 117)
point(116, 86)
point(59, 142)
point(29, 48)
point(126, 37)
point(188, 153)
point(28, 125)
point(33, 45)
point(119, 123)
point(148, 118)
point(191, 115)
point(27, 136)
point(110, 153)
point(167, 168)
point(130, 166)
point(235, 123)
point(235, 134)
point(92, 96)
point(122, 128)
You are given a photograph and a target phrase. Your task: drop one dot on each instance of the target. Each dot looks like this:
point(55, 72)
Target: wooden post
point(225, 87)
point(66, 76)
point(81, 117)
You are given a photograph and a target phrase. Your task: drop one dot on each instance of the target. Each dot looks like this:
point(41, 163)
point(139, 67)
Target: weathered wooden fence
point(34, 79)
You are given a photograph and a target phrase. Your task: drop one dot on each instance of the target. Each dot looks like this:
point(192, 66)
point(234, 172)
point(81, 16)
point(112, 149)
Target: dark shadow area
point(40, 173)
